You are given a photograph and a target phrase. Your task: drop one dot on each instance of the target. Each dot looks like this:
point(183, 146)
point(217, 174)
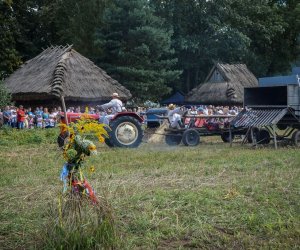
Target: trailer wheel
point(226, 137)
point(173, 139)
point(191, 137)
point(296, 138)
point(282, 126)
point(255, 133)
point(263, 137)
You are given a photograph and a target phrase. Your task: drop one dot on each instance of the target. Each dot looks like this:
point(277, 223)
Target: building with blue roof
point(294, 78)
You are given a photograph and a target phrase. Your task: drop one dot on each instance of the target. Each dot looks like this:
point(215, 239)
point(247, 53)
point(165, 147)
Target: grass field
point(207, 197)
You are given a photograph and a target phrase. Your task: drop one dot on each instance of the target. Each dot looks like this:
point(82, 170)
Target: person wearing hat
point(115, 106)
point(174, 116)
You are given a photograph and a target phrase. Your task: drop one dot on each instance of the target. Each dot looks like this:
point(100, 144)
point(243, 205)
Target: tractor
point(125, 129)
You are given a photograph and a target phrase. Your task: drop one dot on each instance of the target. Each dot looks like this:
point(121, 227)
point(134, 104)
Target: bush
point(12, 137)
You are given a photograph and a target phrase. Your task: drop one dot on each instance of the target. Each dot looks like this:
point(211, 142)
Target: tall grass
point(75, 223)
point(207, 197)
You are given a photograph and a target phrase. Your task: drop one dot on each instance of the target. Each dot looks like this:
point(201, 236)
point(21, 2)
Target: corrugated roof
point(259, 117)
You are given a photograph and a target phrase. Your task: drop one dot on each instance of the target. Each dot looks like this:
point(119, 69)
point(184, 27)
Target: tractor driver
point(115, 105)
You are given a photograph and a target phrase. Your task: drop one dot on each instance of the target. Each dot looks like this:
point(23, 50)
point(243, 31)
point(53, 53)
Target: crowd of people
point(21, 118)
point(198, 116)
point(43, 117)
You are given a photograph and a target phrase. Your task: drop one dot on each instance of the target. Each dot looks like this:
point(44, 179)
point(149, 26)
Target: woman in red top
point(20, 117)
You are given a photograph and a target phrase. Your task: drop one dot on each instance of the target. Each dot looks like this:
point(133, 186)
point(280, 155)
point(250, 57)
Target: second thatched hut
point(224, 85)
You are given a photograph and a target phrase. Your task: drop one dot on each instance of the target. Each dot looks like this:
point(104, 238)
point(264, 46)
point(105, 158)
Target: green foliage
point(273, 28)
point(10, 58)
point(137, 49)
point(81, 17)
point(5, 96)
point(146, 45)
point(262, 34)
point(11, 137)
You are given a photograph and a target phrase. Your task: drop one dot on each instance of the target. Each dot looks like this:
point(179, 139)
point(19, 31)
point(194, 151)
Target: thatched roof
point(61, 71)
point(224, 85)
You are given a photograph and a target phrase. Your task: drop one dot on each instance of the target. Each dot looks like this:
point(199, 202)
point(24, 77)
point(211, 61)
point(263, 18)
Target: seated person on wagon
point(174, 116)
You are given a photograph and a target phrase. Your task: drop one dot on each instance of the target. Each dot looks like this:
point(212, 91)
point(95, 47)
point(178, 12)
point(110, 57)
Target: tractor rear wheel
point(191, 137)
point(126, 132)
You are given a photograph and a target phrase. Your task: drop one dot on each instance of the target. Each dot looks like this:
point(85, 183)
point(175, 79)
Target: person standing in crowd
point(13, 120)
point(78, 109)
point(7, 116)
point(31, 121)
point(20, 117)
point(115, 106)
point(91, 110)
point(45, 116)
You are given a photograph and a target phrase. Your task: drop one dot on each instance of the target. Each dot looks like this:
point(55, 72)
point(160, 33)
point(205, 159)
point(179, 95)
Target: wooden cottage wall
point(216, 76)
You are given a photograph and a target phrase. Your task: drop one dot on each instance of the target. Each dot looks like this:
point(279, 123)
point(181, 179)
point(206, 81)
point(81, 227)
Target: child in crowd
point(13, 120)
point(31, 121)
point(39, 121)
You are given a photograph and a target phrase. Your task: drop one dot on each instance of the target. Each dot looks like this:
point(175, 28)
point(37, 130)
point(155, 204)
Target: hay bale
point(159, 134)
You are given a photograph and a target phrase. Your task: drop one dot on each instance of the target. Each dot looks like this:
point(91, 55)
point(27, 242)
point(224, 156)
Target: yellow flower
point(63, 128)
point(92, 147)
point(92, 169)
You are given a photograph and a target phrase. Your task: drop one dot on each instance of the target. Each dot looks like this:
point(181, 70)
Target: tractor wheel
point(126, 132)
point(296, 138)
point(226, 137)
point(62, 138)
point(191, 137)
point(173, 139)
point(263, 137)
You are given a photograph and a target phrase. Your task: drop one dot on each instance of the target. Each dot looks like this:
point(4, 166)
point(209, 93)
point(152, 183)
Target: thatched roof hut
point(224, 85)
point(61, 71)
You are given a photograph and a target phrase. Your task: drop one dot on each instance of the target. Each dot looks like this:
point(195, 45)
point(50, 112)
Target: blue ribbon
point(64, 176)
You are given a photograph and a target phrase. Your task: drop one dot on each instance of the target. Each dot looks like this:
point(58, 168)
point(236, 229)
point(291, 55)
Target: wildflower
point(92, 169)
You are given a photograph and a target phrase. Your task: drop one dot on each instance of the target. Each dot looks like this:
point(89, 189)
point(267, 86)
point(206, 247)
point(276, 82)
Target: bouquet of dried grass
point(80, 219)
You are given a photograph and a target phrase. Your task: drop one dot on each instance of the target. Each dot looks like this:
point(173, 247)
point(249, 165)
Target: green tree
point(201, 36)
point(272, 27)
point(10, 58)
point(136, 49)
point(74, 22)
point(5, 96)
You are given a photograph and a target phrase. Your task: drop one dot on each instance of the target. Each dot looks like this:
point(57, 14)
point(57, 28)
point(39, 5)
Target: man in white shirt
point(175, 117)
point(115, 105)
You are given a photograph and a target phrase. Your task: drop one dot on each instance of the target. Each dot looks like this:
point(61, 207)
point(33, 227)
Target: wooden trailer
point(271, 113)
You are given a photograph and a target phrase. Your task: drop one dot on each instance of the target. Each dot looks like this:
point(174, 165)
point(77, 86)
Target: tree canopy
point(154, 47)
